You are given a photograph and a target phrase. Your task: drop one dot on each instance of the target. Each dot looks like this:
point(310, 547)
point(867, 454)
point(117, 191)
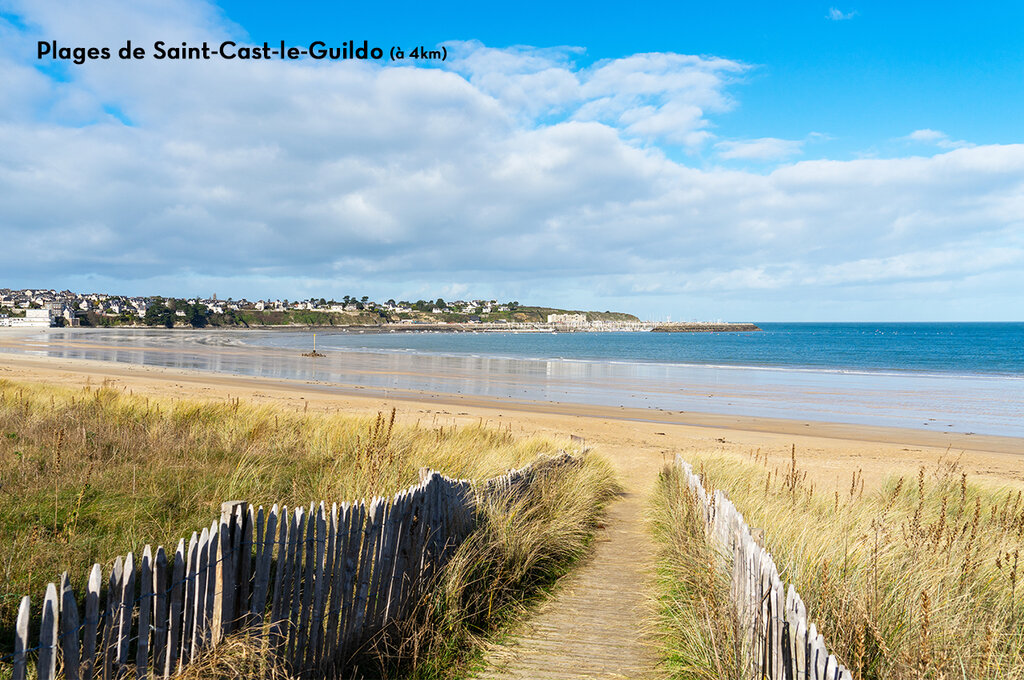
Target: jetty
point(702, 327)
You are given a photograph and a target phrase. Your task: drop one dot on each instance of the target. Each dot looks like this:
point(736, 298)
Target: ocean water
point(963, 378)
point(944, 348)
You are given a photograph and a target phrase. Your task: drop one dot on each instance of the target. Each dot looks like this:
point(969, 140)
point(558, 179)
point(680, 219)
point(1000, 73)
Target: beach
point(638, 441)
point(603, 604)
point(816, 375)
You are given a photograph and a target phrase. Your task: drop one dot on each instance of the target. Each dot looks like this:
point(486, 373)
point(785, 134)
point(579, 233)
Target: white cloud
point(934, 137)
point(839, 15)
point(763, 149)
point(659, 96)
point(515, 174)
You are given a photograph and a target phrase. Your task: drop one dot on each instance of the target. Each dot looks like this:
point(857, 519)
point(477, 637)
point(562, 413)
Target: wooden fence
point(319, 584)
point(778, 642)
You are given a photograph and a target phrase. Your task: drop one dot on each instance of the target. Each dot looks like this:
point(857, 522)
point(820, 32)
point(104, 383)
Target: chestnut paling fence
point(319, 584)
point(778, 643)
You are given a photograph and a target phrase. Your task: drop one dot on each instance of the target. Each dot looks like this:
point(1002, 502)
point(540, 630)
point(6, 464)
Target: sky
point(734, 160)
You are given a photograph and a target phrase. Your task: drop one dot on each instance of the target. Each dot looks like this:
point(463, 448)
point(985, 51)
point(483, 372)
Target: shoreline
point(971, 405)
point(694, 419)
point(636, 441)
point(458, 327)
point(19, 333)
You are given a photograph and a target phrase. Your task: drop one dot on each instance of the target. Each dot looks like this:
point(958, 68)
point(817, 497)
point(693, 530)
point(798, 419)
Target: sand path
point(593, 626)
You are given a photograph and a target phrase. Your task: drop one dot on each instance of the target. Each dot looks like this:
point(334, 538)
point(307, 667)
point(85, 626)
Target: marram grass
point(522, 545)
point(694, 622)
point(86, 475)
point(920, 578)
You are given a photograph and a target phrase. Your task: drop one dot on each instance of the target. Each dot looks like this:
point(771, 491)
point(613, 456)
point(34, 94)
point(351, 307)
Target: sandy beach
point(637, 441)
point(603, 605)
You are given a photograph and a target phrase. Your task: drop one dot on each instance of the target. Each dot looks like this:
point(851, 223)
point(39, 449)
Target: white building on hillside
point(568, 319)
point(34, 318)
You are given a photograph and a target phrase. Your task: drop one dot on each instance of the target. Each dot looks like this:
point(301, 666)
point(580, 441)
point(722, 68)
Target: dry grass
point(524, 542)
point(236, 657)
point(89, 474)
point(522, 545)
point(917, 579)
point(694, 624)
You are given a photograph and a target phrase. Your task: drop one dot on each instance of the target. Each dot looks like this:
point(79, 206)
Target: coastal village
point(34, 307)
point(52, 308)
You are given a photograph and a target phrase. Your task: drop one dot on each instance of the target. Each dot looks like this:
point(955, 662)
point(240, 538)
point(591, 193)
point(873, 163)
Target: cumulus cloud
point(512, 174)
point(658, 96)
point(936, 138)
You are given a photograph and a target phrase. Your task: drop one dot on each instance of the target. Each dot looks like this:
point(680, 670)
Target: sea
point(951, 377)
point(995, 349)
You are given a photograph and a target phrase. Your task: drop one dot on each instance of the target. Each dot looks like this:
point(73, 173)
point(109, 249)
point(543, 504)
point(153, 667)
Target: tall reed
point(694, 621)
point(522, 545)
point(89, 474)
point(917, 579)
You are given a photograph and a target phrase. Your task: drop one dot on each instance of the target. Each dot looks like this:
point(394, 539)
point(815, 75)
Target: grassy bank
point(89, 474)
point(694, 621)
point(521, 547)
point(523, 544)
point(919, 578)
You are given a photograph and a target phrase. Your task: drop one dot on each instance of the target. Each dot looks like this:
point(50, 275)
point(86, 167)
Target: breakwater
point(701, 327)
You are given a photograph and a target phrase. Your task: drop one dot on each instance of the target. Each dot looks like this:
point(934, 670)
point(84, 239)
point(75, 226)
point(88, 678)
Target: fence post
point(261, 583)
point(353, 548)
point(291, 612)
point(110, 625)
point(124, 629)
point(212, 596)
point(47, 661)
point(337, 575)
point(92, 622)
point(69, 629)
point(160, 611)
point(276, 633)
point(244, 540)
point(316, 612)
point(224, 578)
point(308, 577)
point(21, 639)
point(198, 599)
point(145, 614)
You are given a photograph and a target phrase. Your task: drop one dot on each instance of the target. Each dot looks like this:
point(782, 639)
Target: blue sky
point(863, 79)
point(807, 161)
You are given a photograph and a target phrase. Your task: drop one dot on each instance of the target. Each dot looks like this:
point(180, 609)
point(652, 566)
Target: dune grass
point(694, 621)
point(86, 475)
point(523, 544)
point(919, 578)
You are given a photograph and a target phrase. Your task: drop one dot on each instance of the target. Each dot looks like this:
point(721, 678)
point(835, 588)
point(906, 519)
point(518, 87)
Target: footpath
point(592, 628)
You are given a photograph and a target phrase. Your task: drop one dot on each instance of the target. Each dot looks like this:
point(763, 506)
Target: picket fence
point(318, 584)
point(778, 643)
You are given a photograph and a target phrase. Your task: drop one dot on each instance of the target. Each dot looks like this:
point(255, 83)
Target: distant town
point(52, 308)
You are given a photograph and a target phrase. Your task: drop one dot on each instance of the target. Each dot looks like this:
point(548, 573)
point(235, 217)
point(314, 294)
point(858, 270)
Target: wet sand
point(705, 394)
point(637, 441)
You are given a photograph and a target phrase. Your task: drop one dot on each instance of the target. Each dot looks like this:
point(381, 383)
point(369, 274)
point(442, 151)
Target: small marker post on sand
point(314, 353)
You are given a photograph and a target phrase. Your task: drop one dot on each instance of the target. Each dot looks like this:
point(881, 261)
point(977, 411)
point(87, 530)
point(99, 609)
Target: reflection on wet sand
point(989, 405)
